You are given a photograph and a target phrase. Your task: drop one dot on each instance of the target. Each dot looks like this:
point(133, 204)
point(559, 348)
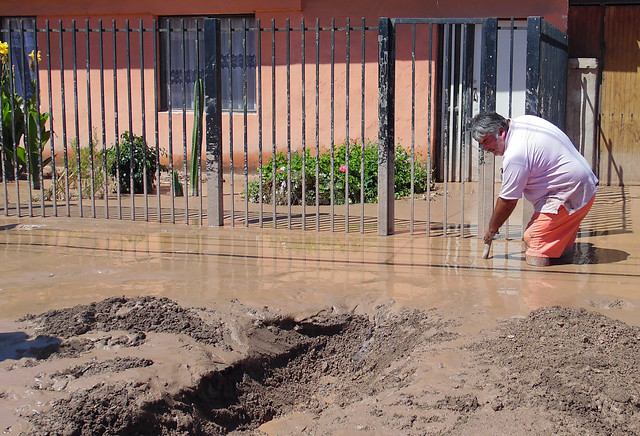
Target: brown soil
point(149, 366)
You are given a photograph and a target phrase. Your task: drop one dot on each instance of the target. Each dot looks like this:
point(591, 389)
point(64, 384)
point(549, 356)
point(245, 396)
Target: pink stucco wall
point(553, 10)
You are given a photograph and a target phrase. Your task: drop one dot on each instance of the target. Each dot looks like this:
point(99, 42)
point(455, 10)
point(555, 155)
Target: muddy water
point(57, 263)
point(54, 263)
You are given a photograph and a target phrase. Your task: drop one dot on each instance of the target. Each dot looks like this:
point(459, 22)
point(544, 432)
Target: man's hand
point(488, 236)
point(500, 214)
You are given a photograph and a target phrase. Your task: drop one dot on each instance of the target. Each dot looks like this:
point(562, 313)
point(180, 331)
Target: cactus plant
point(196, 138)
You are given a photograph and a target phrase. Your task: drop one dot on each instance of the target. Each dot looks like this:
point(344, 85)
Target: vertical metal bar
point(115, 116)
point(288, 56)
point(231, 176)
point(245, 116)
point(39, 174)
point(4, 141)
point(259, 68)
point(386, 126)
point(413, 126)
point(64, 121)
point(76, 114)
point(362, 114)
point(510, 114)
point(132, 185)
point(213, 102)
point(533, 90)
point(89, 120)
point(2, 162)
point(54, 177)
point(156, 35)
point(198, 158)
point(39, 132)
point(461, 114)
point(185, 191)
point(446, 103)
point(143, 106)
point(303, 127)
point(429, 129)
point(13, 124)
point(458, 108)
point(486, 161)
point(532, 101)
point(170, 121)
point(333, 58)
point(317, 124)
point(51, 136)
point(273, 121)
point(25, 112)
point(511, 37)
point(448, 140)
point(104, 127)
point(347, 140)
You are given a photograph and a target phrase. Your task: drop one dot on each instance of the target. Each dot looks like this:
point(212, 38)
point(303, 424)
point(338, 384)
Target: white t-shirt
point(541, 163)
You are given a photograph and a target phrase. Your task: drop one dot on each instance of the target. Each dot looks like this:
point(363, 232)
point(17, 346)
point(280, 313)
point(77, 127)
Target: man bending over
point(541, 163)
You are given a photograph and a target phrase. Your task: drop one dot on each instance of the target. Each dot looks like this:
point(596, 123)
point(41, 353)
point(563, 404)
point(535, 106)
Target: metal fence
point(291, 113)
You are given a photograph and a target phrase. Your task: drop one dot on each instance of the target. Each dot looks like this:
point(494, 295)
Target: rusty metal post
point(213, 121)
point(386, 122)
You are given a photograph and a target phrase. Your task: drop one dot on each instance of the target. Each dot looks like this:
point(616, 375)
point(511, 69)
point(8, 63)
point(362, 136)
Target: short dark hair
point(486, 123)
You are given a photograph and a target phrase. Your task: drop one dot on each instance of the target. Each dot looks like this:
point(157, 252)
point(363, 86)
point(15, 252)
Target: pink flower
point(281, 169)
point(343, 168)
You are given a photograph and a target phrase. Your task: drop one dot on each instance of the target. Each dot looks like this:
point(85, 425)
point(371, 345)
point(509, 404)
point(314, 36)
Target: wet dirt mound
point(289, 365)
point(390, 371)
point(580, 366)
point(141, 314)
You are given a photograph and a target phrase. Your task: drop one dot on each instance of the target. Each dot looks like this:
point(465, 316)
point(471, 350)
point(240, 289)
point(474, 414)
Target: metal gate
point(277, 95)
point(455, 157)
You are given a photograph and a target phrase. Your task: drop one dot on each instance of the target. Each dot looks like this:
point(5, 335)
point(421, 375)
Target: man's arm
point(503, 209)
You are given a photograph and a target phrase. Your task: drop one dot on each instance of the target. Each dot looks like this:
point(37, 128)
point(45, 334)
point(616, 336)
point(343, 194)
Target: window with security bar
point(18, 37)
point(182, 61)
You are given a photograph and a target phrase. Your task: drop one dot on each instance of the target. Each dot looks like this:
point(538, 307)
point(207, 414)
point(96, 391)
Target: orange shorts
point(549, 234)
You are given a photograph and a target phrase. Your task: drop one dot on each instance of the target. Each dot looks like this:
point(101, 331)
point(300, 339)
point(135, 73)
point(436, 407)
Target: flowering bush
point(370, 187)
point(24, 132)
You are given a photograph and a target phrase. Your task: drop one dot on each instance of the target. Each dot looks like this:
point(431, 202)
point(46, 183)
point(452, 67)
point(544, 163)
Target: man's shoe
point(537, 261)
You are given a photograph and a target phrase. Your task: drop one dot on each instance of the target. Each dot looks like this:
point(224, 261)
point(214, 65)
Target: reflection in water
point(296, 271)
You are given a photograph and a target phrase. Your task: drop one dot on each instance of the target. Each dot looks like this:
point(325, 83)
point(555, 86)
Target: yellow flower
point(33, 56)
point(4, 49)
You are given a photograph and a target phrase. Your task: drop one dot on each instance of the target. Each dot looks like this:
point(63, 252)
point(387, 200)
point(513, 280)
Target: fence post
point(533, 66)
point(486, 161)
point(386, 123)
point(213, 121)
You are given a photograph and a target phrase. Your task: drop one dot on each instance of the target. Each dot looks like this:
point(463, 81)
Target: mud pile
point(148, 366)
point(579, 366)
point(287, 364)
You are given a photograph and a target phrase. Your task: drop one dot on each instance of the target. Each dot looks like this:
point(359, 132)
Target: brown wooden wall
point(611, 34)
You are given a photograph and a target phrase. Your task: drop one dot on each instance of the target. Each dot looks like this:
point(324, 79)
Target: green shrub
point(121, 162)
point(402, 178)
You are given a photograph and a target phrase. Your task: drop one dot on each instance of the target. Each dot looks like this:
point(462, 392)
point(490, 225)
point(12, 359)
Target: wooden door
point(620, 97)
